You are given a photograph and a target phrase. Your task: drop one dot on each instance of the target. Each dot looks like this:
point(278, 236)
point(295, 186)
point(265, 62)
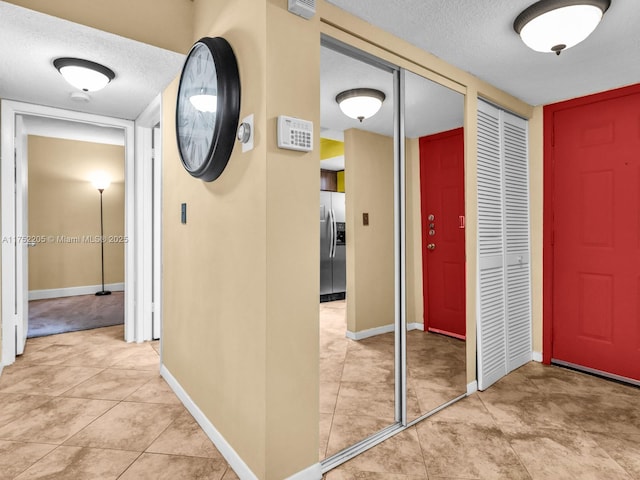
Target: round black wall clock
point(208, 108)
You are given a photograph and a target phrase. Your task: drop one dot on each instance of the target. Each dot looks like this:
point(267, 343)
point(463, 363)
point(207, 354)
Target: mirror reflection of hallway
point(65, 270)
point(357, 334)
point(436, 314)
point(358, 339)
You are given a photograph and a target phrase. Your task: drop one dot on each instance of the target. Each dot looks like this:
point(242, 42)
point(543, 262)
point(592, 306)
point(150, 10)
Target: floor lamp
point(101, 181)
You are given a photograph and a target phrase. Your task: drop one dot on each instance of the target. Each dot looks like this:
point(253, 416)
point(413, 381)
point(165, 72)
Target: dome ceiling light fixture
point(84, 75)
point(360, 103)
point(555, 25)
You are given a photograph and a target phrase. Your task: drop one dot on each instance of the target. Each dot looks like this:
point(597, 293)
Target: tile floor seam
point(335, 406)
point(91, 423)
point(140, 387)
point(130, 465)
point(84, 381)
point(522, 464)
point(424, 458)
point(40, 459)
point(595, 440)
point(158, 436)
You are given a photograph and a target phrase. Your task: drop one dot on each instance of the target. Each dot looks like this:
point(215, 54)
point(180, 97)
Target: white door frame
point(12, 292)
point(149, 207)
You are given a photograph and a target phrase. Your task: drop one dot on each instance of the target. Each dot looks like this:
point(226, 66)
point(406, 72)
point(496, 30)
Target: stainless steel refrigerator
point(333, 265)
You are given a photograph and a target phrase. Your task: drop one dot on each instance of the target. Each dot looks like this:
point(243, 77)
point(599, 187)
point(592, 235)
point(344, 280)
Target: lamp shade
point(360, 103)
point(84, 74)
point(556, 25)
point(100, 180)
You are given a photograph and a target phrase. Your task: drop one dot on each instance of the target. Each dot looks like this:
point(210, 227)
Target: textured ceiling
point(30, 41)
point(477, 36)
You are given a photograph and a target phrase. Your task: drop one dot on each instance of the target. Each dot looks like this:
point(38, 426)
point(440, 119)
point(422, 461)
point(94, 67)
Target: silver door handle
point(335, 233)
point(431, 246)
point(331, 235)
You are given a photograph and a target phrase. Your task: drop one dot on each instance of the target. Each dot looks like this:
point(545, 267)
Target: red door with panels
point(595, 153)
point(443, 243)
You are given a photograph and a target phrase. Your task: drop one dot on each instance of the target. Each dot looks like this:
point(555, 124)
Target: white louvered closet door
point(504, 319)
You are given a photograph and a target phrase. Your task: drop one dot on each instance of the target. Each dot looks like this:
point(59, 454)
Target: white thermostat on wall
point(295, 134)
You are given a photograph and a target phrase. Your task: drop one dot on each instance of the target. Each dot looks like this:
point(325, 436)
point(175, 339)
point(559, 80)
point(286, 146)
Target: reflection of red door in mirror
point(443, 256)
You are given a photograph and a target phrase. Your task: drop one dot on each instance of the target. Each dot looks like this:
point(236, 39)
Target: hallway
point(88, 406)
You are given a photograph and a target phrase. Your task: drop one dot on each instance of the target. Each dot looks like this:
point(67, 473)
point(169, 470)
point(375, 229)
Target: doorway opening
point(136, 238)
point(72, 261)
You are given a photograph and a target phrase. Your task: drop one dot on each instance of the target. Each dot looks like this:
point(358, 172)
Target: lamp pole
point(103, 291)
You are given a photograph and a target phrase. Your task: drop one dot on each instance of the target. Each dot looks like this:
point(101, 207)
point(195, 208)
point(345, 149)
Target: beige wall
point(368, 160)
point(415, 303)
point(293, 233)
point(536, 174)
point(240, 318)
point(166, 24)
point(64, 208)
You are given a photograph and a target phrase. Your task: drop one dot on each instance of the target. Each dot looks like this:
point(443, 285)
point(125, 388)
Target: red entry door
point(596, 282)
point(443, 256)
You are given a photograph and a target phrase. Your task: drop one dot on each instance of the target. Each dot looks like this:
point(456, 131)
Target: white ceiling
point(69, 130)
point(30, 41)
point(477, 36)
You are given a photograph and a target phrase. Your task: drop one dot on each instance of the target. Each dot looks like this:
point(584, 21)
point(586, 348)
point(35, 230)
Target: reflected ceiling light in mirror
point(360, 103)
point(85, 75)
point(204, 102)
point(555, 25)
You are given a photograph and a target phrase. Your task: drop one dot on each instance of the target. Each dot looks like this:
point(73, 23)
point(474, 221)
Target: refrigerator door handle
point(332, 234)
point(335, 233)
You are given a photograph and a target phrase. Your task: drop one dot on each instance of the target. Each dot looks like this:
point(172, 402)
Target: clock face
point(208, 108)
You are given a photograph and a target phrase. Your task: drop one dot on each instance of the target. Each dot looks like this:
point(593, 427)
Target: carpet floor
point(70, 314)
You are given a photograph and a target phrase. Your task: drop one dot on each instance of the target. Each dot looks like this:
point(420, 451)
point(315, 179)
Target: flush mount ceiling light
point(83, 74)
point(555, 25)
point(360, 103)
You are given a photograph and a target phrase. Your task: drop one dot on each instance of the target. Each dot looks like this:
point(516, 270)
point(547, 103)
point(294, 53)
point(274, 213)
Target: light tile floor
point(88, 406)
point(85, 405)
point(539, 422)
point(357, 394)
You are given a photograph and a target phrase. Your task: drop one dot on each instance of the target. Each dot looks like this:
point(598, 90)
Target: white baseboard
point(537, 357)
point(73, 291)
point(371, 332)
point(472, 387)
point(231, 456)
point(314, 472)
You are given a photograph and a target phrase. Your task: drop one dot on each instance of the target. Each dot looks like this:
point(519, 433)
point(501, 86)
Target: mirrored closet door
point(357, 214)
point(435, 231)
point(392, 338)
